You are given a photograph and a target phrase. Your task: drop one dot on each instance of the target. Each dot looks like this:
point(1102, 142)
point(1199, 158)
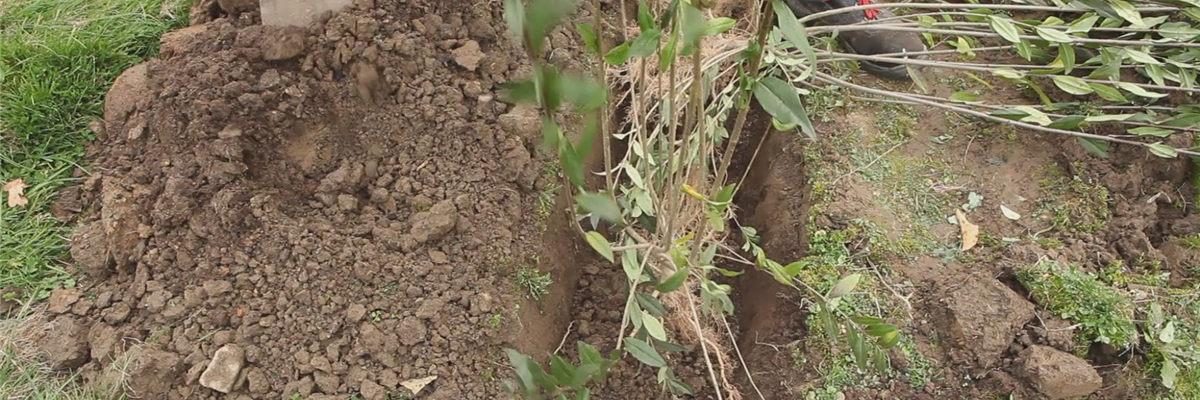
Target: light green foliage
point(1072, 204)
point(1191, 242)
point(534, 284)
point(1104, 314)
point(58, 59)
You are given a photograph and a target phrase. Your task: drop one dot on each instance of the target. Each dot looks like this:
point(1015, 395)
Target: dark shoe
point(865, 42)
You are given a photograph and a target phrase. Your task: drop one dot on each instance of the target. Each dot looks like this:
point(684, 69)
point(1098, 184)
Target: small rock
point(288, 44)
point(411, 331)
point(468, 56)
point(347, 202)
point(355, 312)
point(438, 257)
point(222, 371)
point(430, 308)
point(435, 223)
point(66, 344)
point(1056, 374)
point(327, 382)
point(229, 132)
point(258, 382)
point(216, 288)
point(89, 251)
point(372, 391)
point(61, 300)
point(117, 314)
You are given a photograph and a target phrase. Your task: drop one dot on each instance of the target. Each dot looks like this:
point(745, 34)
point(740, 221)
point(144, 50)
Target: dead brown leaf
point(415, 385)
point(970, 232)
point(16, 192)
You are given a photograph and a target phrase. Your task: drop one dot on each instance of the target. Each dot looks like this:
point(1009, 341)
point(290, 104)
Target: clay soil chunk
point(982, 318)
point(1056, 374)
point(66, 344)
point(223, 370)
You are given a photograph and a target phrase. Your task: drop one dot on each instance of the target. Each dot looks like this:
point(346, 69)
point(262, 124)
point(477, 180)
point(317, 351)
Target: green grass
point(534, 285)
point(59, 58)
point(1104, 314)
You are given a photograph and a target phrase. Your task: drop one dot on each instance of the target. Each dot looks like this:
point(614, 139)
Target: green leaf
point(642, 351)
point(589, 38)
point(650, 304)
point(1072, 85)
point(881, 362)
point(514, 16)
point(1185, 120)
point(889, 340)
point(793, 269)
point(1083, 25)
point(549, 83)
point(667, 57)
point(1141, 56)
point(844, 286)
point(1053, 35)
point(1139, 91)
point(571, 162)
point(717, 26)
point(1006, 29)
point(550, 133)
point(583, 393)
point(1110, 65)
point(542, 16)
point(561, 370)
point(1033, 115)
point(1069, 122)
point(963, 97)
point(653, 326)
point(693, 25)
point(584, 93)
point(527, 370)
point(866, 320)
point(782, 101)
point(1163, 150)
point(588, 354)
point(600, 244)
point(793, 31)
point(601, 205)
point(1168, 373)
point(645, 19)
point(519, 92)
point(591, 129)
point(1009, 73)
point(1109, 117)
point(645, 44)
point(583, 374)
point(1108, 92)
point(1127, 12)
point(878, 330)
point(668, 346)
point(857, 348)
point(1025, 50)
point(673, 282)
point(1066, 54)
point(1151, 131)
point(617, 55)
point(1167, 334)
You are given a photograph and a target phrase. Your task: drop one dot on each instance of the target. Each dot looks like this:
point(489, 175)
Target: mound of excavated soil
point(334, 208)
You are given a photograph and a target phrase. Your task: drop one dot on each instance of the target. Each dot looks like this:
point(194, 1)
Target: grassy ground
point(59, 58)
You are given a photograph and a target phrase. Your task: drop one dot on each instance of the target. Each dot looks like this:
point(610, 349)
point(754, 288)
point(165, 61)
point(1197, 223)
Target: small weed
point(1191, 242)
point(495, 321)
point(534, 284)
point(389, 288)
point(1073, 204)
point(1104, 314)
point(1048, 242)
point(376, 316)
point(920, 369)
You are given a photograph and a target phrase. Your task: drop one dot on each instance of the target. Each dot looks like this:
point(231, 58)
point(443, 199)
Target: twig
point(564, 339)
point(738, 350)
point(830, 79)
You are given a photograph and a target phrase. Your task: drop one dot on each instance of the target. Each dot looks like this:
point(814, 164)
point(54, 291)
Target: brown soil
point(347, 203)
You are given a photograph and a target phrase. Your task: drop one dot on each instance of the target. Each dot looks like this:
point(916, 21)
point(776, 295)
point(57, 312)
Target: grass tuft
point(59, 58)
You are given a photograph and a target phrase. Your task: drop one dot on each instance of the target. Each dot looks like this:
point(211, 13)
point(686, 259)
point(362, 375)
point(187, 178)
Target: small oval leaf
point(1009, 213)
point(600, 244)
point(642, 351)
point(844, 286)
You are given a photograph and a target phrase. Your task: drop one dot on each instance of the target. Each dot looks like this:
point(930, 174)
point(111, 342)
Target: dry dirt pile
point(332, 207)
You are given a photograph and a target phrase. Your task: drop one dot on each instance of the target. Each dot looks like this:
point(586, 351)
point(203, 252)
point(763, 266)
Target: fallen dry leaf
point(1009, 213)
point(16, 192)
point(415, 385)
point(970, 232)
